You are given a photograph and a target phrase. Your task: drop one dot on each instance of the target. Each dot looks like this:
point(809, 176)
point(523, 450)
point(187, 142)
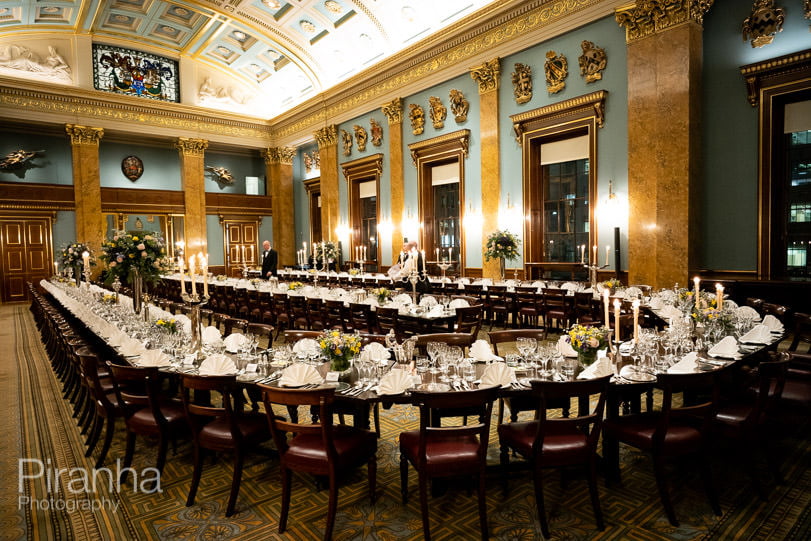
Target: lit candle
point(719, 296)
point(56, 267)
point(636, 320)
point(617, 321)
point(191, 275)
point(423, 261)
point(204, 268)
point(582, 254)
point(594, 256)
point(364, 252)
point(180, 267)
point(696, 281)
point(85, 259)
point(450, 257)
point(304, 247)
point(437, 253)
point(606, 294)
point(314, 246)
point(245, 261)
point(607, 251)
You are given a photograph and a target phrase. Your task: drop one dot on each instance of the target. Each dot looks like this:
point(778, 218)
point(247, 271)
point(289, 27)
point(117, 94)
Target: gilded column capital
point(394, 111)
point(647, 17)
point(191, 147)
point(327, 136)
point(487, 75)
point(279, 155)
point(84, 135)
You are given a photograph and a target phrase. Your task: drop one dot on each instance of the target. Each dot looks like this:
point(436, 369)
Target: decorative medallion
point(522, 83)
point(417, 116)
point(459, 105)
point(307, 26)
point(763, 24)
point(438, 112)
point(346, 140)
point(132, 167)
point(333, 6)
point(221, 174)
point(592, 61)
point(377, 133)
point(360, 136)
point(557, 69)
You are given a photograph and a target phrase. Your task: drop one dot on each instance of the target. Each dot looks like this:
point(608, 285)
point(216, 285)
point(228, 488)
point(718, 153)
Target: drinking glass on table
point(525, 346)
point(454, 355)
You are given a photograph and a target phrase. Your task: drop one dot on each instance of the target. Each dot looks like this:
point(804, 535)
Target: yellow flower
point(134, 238)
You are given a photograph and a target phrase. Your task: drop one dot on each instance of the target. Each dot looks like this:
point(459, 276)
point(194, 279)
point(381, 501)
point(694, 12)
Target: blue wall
point(64, 229)
point(302, 204)
point(54, 166)
point(161, 167)
point(240, 167)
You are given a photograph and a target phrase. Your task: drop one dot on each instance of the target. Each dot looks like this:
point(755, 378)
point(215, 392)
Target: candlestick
point(607, 251)
point(437, 253)
point(191, 275)
point(582, 254)
point(697, 281)
point(182, 275)
point(423, 261)
point(594, 256)
point(606, 294)
point(617, 321)
point(635, 306)
point(450, 256)
point(56, 267)
point(719, 296)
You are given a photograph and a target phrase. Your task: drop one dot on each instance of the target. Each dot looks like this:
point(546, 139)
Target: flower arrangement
point(294, 286)
point(586, 340)
point(72, 254)
point(221, 277)
point(612, 283)
point(168, 325)
point(129, 251)
point(108, 298)
point(382, 294)
point(354, 272)
point(329, 248)
point(255, 282)
point(502, 245)
point(339, 348)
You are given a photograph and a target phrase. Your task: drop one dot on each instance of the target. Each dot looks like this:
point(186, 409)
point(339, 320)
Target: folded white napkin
point(727, 347)
point(671, 312)
point(459, 303)
point(538, 283)
point(730, 304)
point(760, 334)
point(667, 295)
point(131, 348)
point(429, 301)
point(464, 281)
point(482, 352)
point(569, 286)
point(403, 298)
point(183, 321)
point(497, 374)
point(306, 347)
point(685, 366)
point(376, 351)
point(633, 293)
point(233, 342)
point(217, 365)
point(299, 374)
point(565, 348)
point(154, 357)
point(395, 382)
point(210, 334)
point(773, 323)
point(747, 312)
point(599, 368)
point(371, 301)
point(117, 338)
point(657, 303)
point(436, 311)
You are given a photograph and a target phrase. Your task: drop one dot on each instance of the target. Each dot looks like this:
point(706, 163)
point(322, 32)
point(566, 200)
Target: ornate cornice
point(459, 139)
point(774, 71)
point(327, 136)
point(191, 147)
point(279, 155)
point(487, 75)
point(394, 111)
point(591, 104)
point(84, 135)
point(373, 162)
point(647, 17)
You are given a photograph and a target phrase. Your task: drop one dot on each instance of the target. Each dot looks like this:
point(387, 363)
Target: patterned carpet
point(39, 425)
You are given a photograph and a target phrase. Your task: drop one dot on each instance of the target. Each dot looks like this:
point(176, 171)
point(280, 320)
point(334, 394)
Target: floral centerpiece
point(612, 284)
point(339, 348)
point(382, 294)
point(329, 248)
point(108, 298)
point(502, 245)
point(168, 325)
point(221, 277)
point(71, 256)
point(294, 286)
point(255, 283)
point(354, 272)
point(586, 341)
point(135, 252)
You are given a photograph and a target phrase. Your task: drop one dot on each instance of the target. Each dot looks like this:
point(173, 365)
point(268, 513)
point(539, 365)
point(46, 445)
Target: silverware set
point(355, 391)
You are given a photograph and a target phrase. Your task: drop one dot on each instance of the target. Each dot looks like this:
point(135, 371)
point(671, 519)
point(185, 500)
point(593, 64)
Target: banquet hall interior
point(636, 157)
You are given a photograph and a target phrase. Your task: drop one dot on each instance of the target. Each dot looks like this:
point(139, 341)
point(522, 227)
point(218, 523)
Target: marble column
point(327, 139)
point(192, 174)
point(394, 114)
point(90, 226)
point(487, 78)
point(279, 171)
point(664, 52)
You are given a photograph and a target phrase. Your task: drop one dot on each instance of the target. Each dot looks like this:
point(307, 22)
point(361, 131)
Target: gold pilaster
point(394, 113)
point(84, 142)
point(192, 174)
point(649, 17)
point(279, 172)
point(327, 139)
point(487, 77)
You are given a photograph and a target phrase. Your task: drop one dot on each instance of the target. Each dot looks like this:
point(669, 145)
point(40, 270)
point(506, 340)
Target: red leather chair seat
point(797, 393)
point(353, 447)
point(638, 430)
point(561, 445)
point(252, 426)
point(445, 454)
point(142, 421)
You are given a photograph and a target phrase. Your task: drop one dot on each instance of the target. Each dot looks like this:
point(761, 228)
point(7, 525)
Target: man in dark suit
point(270, 258)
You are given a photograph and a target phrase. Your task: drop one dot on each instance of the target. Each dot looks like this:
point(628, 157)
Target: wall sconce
point(343, 232)
point(615, 212)
point(509, 218)
point(473, 218)
point(385, 228)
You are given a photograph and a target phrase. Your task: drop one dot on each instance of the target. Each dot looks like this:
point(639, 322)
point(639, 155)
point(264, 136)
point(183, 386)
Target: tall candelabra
point(593, 273)
point(445, 265)
point(86, 273)
point(116, 287)
point(414, 277)
point(195, 301)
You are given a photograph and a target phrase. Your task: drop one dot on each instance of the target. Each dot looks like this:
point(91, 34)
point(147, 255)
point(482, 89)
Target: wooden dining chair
point(291, 337)
point(469, 320)
point(559, 442)
point(261, 330)
point(387, 320)
point(516, 404)
point(448, 451)
point(463, 340)
point(317, 448)
point(105, 405)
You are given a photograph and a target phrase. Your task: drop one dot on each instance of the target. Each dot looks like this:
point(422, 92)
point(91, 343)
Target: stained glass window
point(136, 73)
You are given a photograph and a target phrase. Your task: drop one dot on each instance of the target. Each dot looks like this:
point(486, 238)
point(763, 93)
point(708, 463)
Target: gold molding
point(279, 155)
point(757, 75)
point(393, 111)
point(374, 161)
point(191, 147)
point(460, 137)
point(326, 136)
point(647, 17)
point(487, 75)
point(84, 135)
point(594, 101)
point(312, 185)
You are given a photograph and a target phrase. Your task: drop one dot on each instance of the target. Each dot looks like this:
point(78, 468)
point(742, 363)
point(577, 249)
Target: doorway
point(25, 244)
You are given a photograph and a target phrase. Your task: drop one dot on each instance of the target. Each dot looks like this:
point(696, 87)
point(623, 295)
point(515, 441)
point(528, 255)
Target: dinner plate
point(434, 387)
point(638, 376)
point(732, 357)
point(339, 385)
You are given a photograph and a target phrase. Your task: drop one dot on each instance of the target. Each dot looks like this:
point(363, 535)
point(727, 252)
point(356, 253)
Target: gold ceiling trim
point(468, 46)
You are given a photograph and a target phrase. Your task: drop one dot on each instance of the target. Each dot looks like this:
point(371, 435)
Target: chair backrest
point(334, 313)
point(469, 319)
point(754, 302)
point(508, 336)
point(802, 331)
point(589, 394)
point(293, 336)
point(702, 387)
point(771, 381)
point(233, 323)
point(387, 320)
point(137, 386)
point(555, 298)
point(368, 338)
point(89, 366)
point(463, 340)
point(432, 405)
point(779, 311)
point(321, 398)
point(361, 317)
point(198, 415)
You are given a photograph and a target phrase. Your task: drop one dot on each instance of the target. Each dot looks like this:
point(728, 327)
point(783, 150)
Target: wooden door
point(25, 244)
point(241, 246)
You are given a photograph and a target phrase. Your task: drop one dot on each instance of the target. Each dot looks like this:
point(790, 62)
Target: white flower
point(141, 246)
point(143, 255)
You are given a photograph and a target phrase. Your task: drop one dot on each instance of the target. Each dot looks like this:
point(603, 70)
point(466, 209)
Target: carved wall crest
point(556, 68)
point(17, 158)
point(592, 61)
point(522, 83)
point(312, 161)
point(346, 140)
point(377, 133)
point(132, 167)
point(221, 174)
point(763, 24)
point(417, 116)
point(459, 105)
point(360, 136)
point(438, 112)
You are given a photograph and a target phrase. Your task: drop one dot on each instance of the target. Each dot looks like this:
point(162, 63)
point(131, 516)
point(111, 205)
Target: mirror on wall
point(169, 225)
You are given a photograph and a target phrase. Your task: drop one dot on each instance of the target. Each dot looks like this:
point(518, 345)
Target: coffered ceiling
point(259, 57)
